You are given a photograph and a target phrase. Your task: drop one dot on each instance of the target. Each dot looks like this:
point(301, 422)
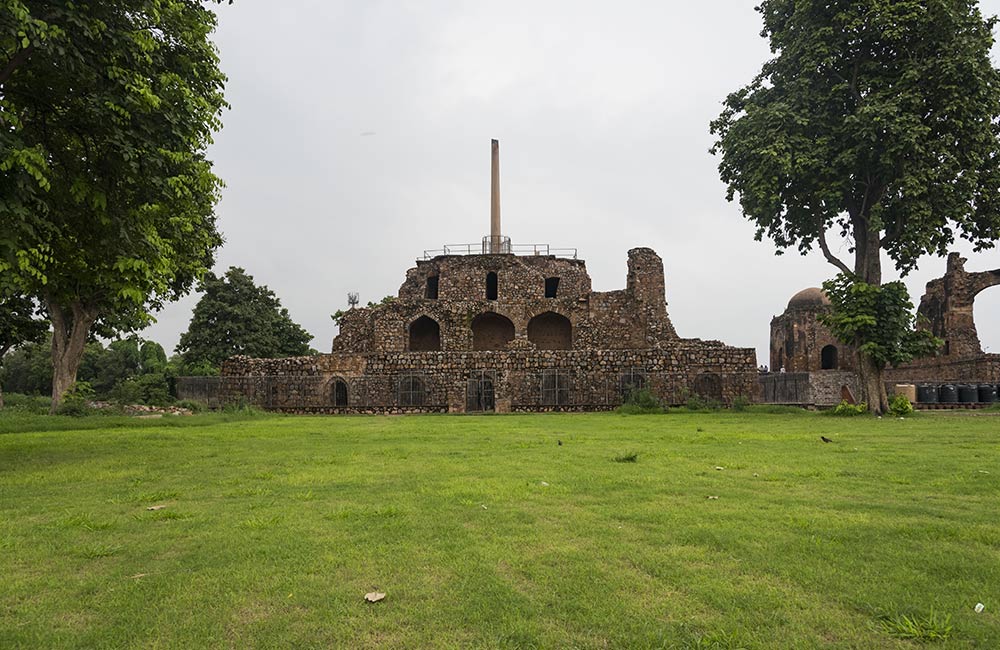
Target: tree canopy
point(235, 316)
point(106, 196)
point(874, 119)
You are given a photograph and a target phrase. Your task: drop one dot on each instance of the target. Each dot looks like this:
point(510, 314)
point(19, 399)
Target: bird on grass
point(825, 439)
point(560, 442)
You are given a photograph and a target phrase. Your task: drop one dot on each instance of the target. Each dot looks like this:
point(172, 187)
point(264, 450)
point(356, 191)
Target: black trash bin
point(947, 394)
point(987, 393)
point(927, 394)
point(968, 393)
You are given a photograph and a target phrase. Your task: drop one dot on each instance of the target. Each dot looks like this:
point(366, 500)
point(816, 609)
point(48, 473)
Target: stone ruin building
point(501, 328)
point(820, 370)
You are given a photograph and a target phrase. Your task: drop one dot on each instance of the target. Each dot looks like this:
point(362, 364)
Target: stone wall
point(982, 368)
point(822, 388)
point(521, 380)
point(946, 308)
point(633, 318)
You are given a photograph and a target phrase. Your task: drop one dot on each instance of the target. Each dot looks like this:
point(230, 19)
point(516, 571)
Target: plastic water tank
point(987, 393)
point(927, 393)
point(968, 393)
point(947, 394)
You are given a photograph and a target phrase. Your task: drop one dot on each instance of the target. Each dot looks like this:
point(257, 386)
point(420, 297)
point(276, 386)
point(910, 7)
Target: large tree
point(18, 324)
point(235, 316)
point(876, 120)
point(106, 196)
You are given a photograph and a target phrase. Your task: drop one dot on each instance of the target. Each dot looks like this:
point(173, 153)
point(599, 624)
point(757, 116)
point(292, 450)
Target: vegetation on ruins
point(235, 316)
point(18, 324)
point(733, 530)
point(877, 121)
point(106, 112)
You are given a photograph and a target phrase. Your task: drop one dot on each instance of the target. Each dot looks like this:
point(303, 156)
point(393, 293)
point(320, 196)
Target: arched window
point(708, 385)
point(425, 335)
point(338, 392)
point(491, 286)
point(431, 290)
point(412, 391)
point(491, 331)
point(551, 287)
point(828, 358)
point(551, 331)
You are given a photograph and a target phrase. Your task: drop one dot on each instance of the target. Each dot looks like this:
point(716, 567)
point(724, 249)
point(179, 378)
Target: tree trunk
point(872, 384)
point(70, 329)
point(868, 268)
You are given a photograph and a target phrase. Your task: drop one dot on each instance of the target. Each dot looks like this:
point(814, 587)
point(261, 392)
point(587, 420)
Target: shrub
point(192, 405)
point(846, 410)
point(34, 404)
point(75, 401)
point(640, 402)
point(696, 402)
point(900, 406)
point(740, 403)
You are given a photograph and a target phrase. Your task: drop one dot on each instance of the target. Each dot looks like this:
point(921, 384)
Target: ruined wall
point(946, 308)
point(586, 379)
point(983, 368)
point(633, 318)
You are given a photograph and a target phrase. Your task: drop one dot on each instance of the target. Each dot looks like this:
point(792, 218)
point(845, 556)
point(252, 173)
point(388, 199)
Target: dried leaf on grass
point(374, 597)
point(156, 507)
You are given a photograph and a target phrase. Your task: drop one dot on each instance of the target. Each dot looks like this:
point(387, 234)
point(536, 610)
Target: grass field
point(486, 532)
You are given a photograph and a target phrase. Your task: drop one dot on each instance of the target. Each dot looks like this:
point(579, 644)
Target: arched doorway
point(491, 331)
point(338, 392)
point(828, 358)
point(551, 331)
point(425, 335)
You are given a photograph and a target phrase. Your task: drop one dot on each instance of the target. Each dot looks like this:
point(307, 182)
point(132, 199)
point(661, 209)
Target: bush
point(641, 402)
point(192, 405)
point(35, 404)
point(900, 407)
point(75, 402)
point(696, 402)
point(740, 403)
point(151, 389)
point(846, 410)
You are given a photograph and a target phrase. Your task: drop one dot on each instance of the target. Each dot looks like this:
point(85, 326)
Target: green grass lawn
point(485, 532)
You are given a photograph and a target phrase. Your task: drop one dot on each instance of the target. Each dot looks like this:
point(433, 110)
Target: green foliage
point(641, 402)
point(846, 410)
point(917, 627)
point(75, 402)
point(33, 404)
point(106, 115)
point(28, 369)
point(192, 405)
point(875, 119)
point(18, 322)
point(151, 389)
point(878, 320)
point(235, 316)
point(740, 404)
point(696, 402)
point(900, 406)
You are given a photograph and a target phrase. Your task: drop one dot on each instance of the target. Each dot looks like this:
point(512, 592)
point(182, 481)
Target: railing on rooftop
point(488, 247)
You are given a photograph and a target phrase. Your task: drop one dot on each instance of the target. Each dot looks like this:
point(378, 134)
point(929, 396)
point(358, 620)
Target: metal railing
point(504, 247)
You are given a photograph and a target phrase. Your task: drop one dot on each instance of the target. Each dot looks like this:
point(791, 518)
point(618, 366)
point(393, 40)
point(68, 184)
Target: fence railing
point(486, 247)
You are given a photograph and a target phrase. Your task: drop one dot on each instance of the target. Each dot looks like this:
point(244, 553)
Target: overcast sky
point(359, 136)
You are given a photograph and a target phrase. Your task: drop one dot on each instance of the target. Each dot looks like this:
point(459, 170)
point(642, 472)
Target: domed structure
point(809, 299)
point(800, 343)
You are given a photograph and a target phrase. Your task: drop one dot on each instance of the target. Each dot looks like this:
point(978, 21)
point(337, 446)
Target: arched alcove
point(338, 392)
point(425, 335)
point(551, 331)
point(709, 386)
point(491, 331)
point(828, 358)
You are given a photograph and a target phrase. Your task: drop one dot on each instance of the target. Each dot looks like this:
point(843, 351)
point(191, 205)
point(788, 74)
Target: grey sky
point(360, 133)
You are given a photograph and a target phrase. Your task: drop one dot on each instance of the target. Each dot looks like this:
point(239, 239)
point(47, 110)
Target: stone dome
point(810, 298)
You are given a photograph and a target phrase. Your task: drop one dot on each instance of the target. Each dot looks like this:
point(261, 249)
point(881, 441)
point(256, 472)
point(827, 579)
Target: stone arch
point(491, 331)
point(551, 331)
point(708, 385)
point(425, 335)
point(338, 392)
point(828, 358)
